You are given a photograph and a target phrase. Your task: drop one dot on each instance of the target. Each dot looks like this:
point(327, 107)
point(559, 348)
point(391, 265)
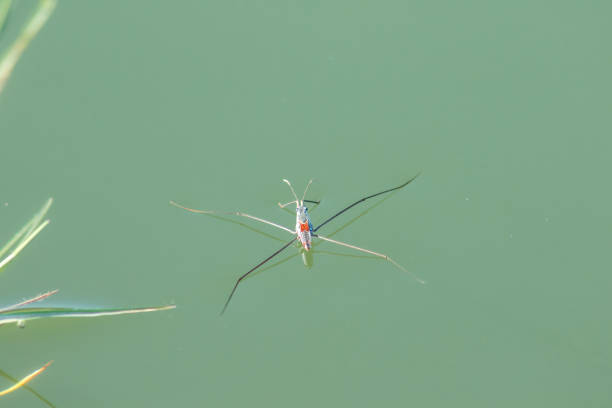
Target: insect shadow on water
point(304, 230)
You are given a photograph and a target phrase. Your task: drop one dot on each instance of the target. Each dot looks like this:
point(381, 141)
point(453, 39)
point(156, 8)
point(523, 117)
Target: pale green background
point(118, 107)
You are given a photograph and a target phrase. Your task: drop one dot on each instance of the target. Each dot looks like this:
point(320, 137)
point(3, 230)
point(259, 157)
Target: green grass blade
point(22, 245)
point(28, 301)
point(5, 6)
point(29, 226)
point(27, 233)
point(37, 218)
point(30, 313)
point(25, 380)
point(15, 238)
point(14, 380)
point(33, 26)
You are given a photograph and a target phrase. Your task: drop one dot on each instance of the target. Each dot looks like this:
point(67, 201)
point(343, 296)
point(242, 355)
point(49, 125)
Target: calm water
point(119, 107)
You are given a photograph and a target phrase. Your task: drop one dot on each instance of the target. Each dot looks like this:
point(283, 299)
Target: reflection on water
point(307, 258)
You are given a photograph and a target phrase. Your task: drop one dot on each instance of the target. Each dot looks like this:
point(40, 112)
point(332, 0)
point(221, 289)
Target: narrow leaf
point(25, 379)
point(5, 6)
point(27, 233)
point(10, 58)
point(33, 300)
point(31, 313)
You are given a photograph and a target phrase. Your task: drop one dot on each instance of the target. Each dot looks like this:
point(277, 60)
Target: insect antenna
point(293, 191)
point(304, 196)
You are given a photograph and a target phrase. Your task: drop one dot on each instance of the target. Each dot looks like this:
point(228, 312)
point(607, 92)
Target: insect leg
point(286, 204)
point(370, 252)
point(252, 269)
point(363, 199)
point(241, 214)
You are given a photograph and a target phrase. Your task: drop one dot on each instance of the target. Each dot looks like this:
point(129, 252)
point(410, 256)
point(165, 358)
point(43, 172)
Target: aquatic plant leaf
point(22, 314)
point(25, 235)
point(28, 301)
point(5, 6)
point(31, 28)
point(25, 380)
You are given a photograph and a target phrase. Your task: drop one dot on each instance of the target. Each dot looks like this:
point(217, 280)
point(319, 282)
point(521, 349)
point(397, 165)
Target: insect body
point(303, 226)
point(304, 231)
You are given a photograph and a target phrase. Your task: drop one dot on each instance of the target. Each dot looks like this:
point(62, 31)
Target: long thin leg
point(241, 214)
point(286, 204)
point(370, 252)
point(293, 202)
point(252, 269)
point(362, 200)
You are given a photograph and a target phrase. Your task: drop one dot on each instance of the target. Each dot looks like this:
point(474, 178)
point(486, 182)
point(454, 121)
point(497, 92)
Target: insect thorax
point(302, 214)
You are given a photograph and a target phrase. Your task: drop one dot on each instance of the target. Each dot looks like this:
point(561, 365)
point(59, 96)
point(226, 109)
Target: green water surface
point(118, 107)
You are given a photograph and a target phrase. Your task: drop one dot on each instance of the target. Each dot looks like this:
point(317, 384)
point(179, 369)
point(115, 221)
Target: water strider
point(304, 230)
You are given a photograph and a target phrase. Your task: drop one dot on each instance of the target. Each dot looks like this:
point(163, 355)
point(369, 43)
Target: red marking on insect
point(304, 227)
